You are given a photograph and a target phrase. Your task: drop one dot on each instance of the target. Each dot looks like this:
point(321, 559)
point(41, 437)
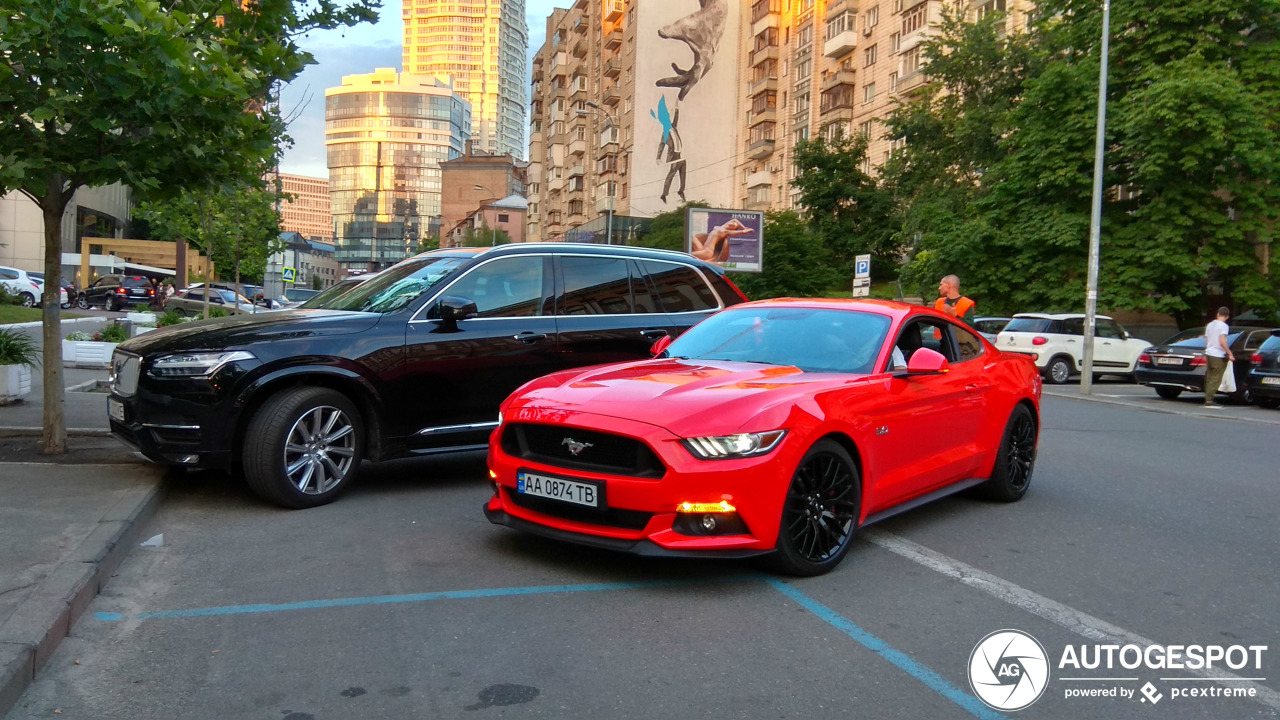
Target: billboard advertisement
point(732, 239)
point(686, 111)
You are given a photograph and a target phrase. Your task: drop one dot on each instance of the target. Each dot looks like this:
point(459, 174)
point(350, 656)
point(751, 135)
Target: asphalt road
point(401, 601)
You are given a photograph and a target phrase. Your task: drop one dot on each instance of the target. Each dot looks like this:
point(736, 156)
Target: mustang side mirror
point(453, 309)
point(660, 346)
point(927, 362)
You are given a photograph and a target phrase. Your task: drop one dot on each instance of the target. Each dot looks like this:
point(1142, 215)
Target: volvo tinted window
point(680, 288)
point(506, 287)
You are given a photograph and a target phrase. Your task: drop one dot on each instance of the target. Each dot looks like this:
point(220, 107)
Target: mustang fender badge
point(575, 447)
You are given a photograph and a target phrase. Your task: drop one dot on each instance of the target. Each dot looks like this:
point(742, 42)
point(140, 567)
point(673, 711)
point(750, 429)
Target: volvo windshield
point(393, 288)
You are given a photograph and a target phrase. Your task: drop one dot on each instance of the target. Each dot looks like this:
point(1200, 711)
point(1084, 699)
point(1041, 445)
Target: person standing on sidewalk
point(951, 302)
point(1217, 355)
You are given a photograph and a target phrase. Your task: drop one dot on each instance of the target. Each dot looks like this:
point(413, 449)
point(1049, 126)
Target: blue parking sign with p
point(863, 267)
point(289, 274)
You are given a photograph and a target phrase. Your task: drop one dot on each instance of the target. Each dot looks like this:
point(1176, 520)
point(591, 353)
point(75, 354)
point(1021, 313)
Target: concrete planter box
point(15, 382)
point(139, 329)
point(87, 353)
point(141, 318)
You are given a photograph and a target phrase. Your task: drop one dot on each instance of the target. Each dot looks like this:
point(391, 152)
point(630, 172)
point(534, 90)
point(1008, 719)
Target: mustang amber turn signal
point(719, 507)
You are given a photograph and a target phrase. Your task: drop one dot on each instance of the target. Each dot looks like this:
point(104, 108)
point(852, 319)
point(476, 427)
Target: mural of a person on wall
point(672, 146)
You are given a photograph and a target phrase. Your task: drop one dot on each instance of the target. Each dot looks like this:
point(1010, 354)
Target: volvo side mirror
point(452, 310)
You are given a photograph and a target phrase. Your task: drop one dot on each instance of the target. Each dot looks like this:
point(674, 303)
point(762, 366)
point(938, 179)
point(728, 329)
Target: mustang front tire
point(820, 513)
point(303, 447)
point(1016, 460)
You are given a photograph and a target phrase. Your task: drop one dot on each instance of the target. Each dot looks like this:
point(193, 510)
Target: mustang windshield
point(393, 288)
point(814, 340)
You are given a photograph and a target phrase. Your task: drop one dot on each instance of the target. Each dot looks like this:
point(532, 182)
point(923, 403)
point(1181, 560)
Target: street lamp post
point(1095, 219)
point(609, 188)
point(493, 229)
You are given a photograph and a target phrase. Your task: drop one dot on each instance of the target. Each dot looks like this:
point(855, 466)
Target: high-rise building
point(306, 210)
point(386, 135)
point(813, 68)
point(482, 45)
point(643, 106)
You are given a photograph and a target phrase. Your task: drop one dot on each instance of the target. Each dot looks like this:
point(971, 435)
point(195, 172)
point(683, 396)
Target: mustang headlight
point(734, 446)
point(200, 364)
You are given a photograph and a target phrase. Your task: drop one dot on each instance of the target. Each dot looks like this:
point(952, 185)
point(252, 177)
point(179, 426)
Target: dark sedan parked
point(414, 360)
point(1264, 379)
point(1178, 365)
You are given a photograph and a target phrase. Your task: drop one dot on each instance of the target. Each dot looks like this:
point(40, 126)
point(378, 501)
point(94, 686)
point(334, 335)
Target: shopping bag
point(1228, 384)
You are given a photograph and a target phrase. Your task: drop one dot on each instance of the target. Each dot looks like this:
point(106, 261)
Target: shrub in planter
point(19, 354)
point(113, 333)
point(80, 336)
point(170, 318)
point(217, 312)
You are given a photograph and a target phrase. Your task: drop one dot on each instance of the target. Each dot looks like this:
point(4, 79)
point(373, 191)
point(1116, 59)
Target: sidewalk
point(66, 522)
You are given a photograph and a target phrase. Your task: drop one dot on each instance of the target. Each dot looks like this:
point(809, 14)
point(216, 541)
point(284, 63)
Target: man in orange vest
point(951, 302)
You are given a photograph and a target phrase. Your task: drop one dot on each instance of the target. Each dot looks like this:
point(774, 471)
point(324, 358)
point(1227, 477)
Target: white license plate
point(115, 409)
point(570, 491)
point(1271, 381)
point(1168, 361)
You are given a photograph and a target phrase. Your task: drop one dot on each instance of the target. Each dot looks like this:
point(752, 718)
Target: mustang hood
point(686, 396)
point(241, 330)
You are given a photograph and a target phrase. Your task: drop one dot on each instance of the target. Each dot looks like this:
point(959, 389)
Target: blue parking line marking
point(901, 660)
point(414, 598)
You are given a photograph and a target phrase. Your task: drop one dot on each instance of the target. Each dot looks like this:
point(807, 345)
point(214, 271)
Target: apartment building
point(644, 105)
point(475, 180)
point(840, 66)
point(307, 209)
point(481, 46)
point(385, 136)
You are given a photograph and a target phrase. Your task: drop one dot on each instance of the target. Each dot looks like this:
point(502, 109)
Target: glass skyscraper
point(482, 46)
point(386, 135)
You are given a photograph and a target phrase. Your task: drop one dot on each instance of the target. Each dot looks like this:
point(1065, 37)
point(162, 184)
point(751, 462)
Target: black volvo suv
point(415, 360)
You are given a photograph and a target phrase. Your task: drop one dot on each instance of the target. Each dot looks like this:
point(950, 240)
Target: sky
point(352, 51)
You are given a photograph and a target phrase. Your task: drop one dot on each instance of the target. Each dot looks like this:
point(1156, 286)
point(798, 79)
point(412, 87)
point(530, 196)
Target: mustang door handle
point(653, 334)
point(529, 337)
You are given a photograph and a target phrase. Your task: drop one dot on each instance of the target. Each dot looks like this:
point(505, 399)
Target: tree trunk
point(52, 205)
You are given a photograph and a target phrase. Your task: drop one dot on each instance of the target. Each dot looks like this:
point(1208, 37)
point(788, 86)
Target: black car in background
point(1263, 380)
point(413, 360)
point(1178, 364)
point(117, 292)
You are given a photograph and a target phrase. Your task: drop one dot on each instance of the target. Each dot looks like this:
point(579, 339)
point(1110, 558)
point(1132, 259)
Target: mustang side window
point(970, 345)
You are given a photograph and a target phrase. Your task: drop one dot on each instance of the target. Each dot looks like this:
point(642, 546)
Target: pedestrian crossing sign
point(289, 275)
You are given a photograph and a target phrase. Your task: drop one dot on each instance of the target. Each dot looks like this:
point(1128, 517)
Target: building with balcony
point(386, 135)
point(307, 207)
point(833, 67)
point(481, 47)
point(581, 119)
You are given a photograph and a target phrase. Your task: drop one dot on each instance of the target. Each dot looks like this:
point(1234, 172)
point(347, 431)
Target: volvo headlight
point(199, 364)
point(734, 446)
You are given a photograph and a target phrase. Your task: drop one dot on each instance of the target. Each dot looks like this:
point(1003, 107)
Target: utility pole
point(1095, 220)
point(611, 187)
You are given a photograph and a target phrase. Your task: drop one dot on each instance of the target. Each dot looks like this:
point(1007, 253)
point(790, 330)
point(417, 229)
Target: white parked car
point(28, 288)
point(1056, 343)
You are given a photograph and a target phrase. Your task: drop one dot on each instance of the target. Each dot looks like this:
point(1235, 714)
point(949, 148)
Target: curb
point(34, 631)
point(37, 432)
point(1163, 410)
point(64, 322)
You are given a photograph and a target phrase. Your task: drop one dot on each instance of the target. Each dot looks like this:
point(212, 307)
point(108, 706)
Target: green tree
point(484, 237)
point(158, 96)
point(845, 206)
point(797, 262)
point(666, 230)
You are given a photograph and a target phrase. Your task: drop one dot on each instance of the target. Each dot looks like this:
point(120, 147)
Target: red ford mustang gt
point(779, 427)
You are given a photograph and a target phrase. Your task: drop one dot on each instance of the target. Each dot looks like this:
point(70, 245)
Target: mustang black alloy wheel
point(1017, 458)
point(820, 515)
point(303, 447)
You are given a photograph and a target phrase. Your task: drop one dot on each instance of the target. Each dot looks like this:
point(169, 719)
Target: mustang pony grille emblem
point(575, 447)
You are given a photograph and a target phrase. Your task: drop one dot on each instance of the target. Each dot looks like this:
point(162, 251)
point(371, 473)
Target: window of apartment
point(897, 6)
point(871, 18)
point(833, 131)
point(802, 101)
point(804, 36)
point(915, 18)
point(911, 61)
point(866, 165)
point(840, 23)
point(764, 101)
point(761, 132)
point(990, 7)
point(804, 69)
point(895, 42)
point(764, 71)
point(758, 195)
point(607, 164)
point(864, 129)
point(503, 217)
point(802, 133)
point(868, 93)
point(575, 207)
point(767, 39)
point(869, 56)
point(893, 81)
point(803, 6)
point(579, 133)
